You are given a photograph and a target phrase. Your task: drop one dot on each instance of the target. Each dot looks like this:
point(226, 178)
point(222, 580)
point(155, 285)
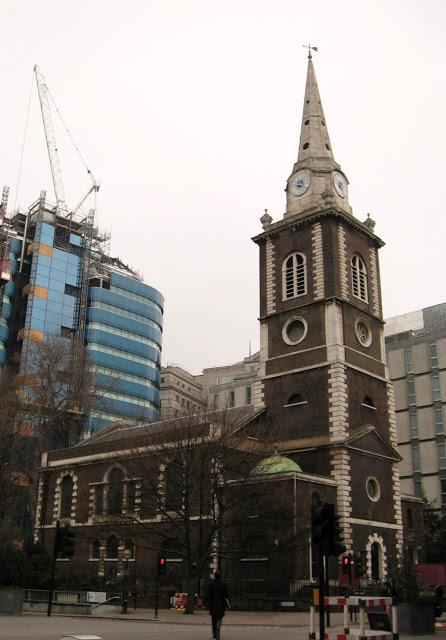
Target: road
point(39, 627)
point(42, 628)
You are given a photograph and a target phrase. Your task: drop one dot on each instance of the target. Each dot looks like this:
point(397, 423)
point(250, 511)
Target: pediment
point(368, 440)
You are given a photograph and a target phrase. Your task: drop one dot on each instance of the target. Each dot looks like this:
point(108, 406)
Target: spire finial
point(310, 49)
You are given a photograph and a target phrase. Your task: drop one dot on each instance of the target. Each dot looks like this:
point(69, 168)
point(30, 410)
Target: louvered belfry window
point(359, 279)
point(294, 276)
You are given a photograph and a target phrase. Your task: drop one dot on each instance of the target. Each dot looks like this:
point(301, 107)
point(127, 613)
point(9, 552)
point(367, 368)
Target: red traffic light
point(346, 564)
point(161, 565)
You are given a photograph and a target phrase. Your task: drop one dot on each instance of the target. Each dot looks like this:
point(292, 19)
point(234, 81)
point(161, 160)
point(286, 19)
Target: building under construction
point(58, 282)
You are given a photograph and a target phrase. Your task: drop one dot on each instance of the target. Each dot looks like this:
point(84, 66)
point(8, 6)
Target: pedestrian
point(218, 601)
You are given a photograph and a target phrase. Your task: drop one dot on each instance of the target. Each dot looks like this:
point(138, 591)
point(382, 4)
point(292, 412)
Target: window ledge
point(255, 559)
point(368, 406)
point(296, 404)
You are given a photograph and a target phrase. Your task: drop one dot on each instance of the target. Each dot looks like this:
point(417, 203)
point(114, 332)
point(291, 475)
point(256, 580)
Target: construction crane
point(51, 144)
point(50, 140)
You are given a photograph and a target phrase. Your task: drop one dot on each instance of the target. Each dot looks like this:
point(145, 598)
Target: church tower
point(322, 361)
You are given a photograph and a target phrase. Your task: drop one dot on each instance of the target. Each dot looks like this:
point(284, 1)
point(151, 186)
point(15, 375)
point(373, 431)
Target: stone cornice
point(291, 223)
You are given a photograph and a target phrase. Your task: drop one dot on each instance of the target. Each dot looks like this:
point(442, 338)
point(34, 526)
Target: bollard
point(312, 634)
point(362, 618)
point(346, 626)
point(395, 621)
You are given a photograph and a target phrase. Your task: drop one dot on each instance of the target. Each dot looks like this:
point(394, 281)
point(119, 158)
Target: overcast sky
point(188, 113)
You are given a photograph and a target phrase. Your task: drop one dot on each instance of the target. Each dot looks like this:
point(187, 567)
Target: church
point(321, 426)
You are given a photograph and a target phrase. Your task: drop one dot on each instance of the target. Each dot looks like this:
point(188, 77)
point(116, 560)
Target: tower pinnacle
point(317, 180)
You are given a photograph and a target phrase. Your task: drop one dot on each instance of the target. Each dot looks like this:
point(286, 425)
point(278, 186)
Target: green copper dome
point(275, 464)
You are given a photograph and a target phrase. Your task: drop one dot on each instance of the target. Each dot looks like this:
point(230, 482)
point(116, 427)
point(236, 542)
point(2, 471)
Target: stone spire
point(314, 139)
point(317, 181)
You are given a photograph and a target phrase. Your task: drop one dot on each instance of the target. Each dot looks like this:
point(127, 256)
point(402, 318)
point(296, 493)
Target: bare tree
point(13, 451)
point(196, 479)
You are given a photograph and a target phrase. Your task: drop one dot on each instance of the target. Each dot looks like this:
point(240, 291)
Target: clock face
point(300, 182)
point(340, 184)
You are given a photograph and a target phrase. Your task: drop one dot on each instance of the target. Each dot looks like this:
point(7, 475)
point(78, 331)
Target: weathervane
point(310, 49)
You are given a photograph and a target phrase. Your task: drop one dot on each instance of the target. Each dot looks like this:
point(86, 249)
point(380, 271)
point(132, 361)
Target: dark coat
point(218, 598)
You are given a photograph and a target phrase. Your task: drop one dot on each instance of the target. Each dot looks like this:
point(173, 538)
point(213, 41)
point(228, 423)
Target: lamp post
point(126, 555)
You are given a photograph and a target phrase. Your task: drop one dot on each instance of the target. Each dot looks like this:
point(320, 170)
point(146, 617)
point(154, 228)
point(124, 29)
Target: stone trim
point(318, 261)
point(374, 523)
point(343, 267)
point(270, 277)
point(396, 492)
point(258, 388)
point(39, 506)
point(341, 472)
point(391, 414)
point(382, 556)
point(396, 487)
point(374, 286)
point(258, 394)
point(337, 402)
point(58, 496)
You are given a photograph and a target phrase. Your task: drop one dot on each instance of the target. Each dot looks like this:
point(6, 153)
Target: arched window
point(66, 499)
point(294, 276)
point(359, 278)
point(115, 493)
point(112, 547)
point(95, 550)
point(295, 398)
point(129, 545)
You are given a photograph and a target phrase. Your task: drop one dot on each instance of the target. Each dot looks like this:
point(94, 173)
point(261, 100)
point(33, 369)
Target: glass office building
point(123, 336)
point(57, 282)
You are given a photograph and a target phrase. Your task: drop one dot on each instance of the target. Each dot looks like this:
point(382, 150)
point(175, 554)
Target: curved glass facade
point(123, 341)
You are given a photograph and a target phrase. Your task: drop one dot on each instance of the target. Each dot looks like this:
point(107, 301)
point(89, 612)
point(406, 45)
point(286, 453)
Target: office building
point(180, 393)
point(59, 283)
point(416, 354)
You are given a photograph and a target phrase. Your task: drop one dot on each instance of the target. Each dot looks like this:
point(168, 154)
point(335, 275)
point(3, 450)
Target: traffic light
point(347, 564)
point(65, 541)
point(334, 545)
point(161, 565)
point(320, 519)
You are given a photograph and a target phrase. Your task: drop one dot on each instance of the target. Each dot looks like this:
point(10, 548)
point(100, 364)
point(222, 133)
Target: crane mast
point(51, 141)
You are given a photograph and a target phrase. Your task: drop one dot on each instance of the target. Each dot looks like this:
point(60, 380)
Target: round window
point(294, 331)
point(363, 332)
point(373, 489)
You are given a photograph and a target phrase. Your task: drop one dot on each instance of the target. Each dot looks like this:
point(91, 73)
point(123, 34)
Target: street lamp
point(127, 554)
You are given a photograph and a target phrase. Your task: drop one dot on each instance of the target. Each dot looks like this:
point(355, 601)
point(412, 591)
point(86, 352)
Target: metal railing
point(61, 597)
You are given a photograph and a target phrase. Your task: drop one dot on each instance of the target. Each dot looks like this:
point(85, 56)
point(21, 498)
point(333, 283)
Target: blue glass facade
point(53, 289)
point(7, 295)
point(46, 295)
point(124, 338)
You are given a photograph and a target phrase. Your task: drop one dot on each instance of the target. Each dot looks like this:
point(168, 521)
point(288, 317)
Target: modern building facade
point(58, 283)
point(416, 354)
